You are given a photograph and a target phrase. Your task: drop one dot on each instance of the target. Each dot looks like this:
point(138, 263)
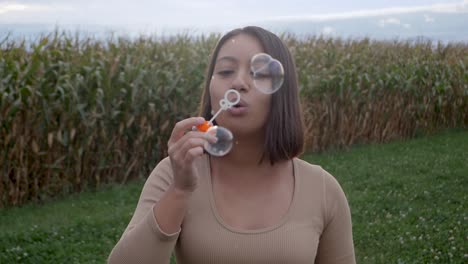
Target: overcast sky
point(205, 13)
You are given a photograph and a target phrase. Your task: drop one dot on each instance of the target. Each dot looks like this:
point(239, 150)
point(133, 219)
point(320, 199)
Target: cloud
point(428, 19)
point(393, 21)
point(6, 7)
point(328, 31)
point(142, 13)
point(23, 9)
point(165, 13)
point(389, 21)
point(24, 12)
point(461, 7)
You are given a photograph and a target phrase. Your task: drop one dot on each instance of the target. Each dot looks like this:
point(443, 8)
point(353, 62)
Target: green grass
point(408, 201)
point(78, 229)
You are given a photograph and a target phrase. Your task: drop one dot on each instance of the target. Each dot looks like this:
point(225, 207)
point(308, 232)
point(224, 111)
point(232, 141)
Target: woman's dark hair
point(284, 134)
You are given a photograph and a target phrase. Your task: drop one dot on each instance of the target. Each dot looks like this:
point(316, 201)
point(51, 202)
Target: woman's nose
point(242, 82)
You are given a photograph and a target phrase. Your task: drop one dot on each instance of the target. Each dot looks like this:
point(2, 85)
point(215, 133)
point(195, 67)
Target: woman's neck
point(242, 163)
point(246, 152)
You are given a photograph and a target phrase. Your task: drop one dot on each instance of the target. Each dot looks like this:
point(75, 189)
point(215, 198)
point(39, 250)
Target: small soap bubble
point(224, 143)
point(268, 73)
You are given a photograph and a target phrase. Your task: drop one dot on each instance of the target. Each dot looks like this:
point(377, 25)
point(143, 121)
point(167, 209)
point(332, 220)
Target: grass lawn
point(408, 200)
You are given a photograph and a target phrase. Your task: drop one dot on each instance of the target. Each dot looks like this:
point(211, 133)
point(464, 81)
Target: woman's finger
point(175, 146)
point(192, 153)
point(183, 126)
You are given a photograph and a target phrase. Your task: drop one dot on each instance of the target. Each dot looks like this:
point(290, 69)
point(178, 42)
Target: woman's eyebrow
point(227, 58)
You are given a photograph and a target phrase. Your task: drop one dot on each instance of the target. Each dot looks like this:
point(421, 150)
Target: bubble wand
point(224, 104)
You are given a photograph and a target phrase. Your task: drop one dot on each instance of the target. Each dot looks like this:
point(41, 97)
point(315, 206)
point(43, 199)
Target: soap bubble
point(268, 73)
point(224, 143)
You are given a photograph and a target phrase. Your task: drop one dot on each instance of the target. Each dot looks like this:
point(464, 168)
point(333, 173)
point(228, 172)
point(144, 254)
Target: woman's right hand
point(183, 147)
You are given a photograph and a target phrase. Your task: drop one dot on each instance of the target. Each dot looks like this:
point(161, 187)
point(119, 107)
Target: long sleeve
point(336, 241)
point(143, 241)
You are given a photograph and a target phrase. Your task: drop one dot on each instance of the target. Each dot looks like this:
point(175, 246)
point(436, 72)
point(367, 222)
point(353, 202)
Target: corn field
point(364, 91)
point(78, 112)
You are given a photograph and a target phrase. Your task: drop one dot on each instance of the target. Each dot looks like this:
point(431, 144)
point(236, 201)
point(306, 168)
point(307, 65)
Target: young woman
point(259, 203)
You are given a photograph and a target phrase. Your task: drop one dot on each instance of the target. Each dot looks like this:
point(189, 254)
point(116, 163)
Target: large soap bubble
point(268, 73)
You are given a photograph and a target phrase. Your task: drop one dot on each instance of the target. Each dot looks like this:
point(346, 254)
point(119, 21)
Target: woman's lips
point(237, 110)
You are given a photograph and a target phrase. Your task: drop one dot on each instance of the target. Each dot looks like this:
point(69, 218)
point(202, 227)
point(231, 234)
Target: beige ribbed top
point(316, 228)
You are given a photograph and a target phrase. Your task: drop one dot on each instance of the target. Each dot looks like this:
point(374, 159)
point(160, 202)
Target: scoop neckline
point(280, 223)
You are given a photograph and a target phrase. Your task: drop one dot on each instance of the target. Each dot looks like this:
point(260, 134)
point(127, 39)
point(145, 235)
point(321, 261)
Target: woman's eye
point(260, 75)
point(225, 73)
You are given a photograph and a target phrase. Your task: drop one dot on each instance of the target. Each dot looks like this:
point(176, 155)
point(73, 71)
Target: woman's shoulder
point(305, 167)
point(322, 185)
point(315, 174)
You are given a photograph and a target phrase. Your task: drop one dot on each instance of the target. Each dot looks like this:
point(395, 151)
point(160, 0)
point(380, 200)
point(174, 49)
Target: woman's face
point(232, 71)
